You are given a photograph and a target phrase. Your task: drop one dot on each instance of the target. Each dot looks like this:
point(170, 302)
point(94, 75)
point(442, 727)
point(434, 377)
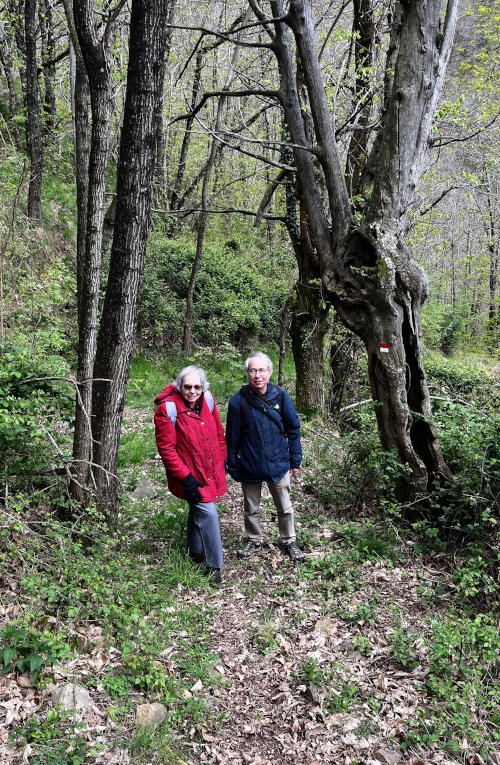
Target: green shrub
point(57, 740)
point(31, 650)
point(234, 302)
point(31, 398)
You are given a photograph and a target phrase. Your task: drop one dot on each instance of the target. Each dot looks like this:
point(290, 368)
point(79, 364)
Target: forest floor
point(311, 664)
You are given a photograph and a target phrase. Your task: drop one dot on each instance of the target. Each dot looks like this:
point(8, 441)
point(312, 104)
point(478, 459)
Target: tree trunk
point(364, 37)
point(365, 265)
point(307, 330)
point(8, 68)
point(160, 184)
point(95, 57)
point(49, 67)
point(133, 208)
point(284, 324)
point(181, 166)
point(33, 128)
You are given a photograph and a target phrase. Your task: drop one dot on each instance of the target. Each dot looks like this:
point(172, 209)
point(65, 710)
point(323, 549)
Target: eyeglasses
point(193, 387)
point(254, 372)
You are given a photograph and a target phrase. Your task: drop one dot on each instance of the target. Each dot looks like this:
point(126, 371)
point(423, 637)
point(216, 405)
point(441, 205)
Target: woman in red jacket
point(191, 443)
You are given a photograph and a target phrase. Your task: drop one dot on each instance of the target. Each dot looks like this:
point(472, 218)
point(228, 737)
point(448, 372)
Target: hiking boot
point(249, 549)
point(214, 576)
point(293, 551)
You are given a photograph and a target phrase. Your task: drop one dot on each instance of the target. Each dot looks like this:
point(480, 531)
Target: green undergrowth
point(132, 592)
point(135, 587)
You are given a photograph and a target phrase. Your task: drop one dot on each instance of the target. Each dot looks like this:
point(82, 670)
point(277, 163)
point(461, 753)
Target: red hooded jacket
point(195, 444)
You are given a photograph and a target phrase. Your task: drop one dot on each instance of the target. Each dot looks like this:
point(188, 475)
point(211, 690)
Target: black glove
point(191, 490)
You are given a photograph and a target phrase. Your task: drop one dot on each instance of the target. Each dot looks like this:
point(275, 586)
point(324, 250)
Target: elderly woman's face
point(191, 389)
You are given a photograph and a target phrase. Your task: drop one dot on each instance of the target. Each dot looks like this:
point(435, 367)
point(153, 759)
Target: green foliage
point(31, 650)
point(234, 301)
point(137, 448)
point(57, 740)
point(442, 326)
point(30, 398)
point(351, 468)
point(342, 698)
point(462, 686)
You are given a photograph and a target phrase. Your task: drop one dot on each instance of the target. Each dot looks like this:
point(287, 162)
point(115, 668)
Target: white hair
point(260, 355)
point(191, 370)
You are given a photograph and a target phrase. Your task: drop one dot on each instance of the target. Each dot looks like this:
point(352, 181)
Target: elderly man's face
point(258, 374)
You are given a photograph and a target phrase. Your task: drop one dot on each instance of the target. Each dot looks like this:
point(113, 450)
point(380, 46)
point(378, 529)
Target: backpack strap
point(210, 400)
point(248, 399)
point(171, 409)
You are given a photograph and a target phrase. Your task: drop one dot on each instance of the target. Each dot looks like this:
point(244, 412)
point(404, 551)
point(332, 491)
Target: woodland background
point(385, 644)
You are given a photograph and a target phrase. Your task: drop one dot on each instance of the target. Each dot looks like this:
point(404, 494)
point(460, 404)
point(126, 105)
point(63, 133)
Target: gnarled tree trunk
point(366, 267)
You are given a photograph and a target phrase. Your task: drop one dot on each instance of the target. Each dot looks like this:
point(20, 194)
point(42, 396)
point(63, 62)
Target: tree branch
point(438, 142)
point(233, 93)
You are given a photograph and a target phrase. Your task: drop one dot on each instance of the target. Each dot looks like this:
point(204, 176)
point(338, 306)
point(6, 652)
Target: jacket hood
point(166, 392)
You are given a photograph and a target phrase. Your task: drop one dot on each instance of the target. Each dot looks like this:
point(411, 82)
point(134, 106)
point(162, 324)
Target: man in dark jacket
point(263, 444)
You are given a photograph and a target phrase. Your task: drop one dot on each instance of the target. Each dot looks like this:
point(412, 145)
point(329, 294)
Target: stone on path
point(150, 715)
point(388, 756)
point(72, 696)
point(145, 490)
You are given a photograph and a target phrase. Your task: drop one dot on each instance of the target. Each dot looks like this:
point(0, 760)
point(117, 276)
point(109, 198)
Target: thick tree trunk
point(307, 330)
point(382, 305)
point(33, 127)
point(133, 208)
point(366, 269)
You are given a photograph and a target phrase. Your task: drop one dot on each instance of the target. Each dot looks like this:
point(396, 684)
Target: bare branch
point(221, 35)
point(445, 142)
point(218, 211)
point(437, 200)
point(233, 93)
point(260, 157)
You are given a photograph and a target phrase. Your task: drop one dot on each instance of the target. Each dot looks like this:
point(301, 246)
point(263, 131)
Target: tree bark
point(33, 127)
point(49, 67)
point(94, 54)
point(366, 268)
point(8, 68)
point(160, 184)
point(133, 208)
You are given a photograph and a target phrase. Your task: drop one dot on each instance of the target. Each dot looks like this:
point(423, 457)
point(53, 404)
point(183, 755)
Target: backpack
point(248, 400)
point(171, 409)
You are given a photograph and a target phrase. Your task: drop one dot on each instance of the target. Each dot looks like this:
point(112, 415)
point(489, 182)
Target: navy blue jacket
point(256, 449)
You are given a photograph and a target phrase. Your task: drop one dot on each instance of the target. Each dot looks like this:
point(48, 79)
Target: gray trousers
point(280, 493)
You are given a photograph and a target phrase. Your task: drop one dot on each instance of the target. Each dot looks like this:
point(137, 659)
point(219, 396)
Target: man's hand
point(293, 471)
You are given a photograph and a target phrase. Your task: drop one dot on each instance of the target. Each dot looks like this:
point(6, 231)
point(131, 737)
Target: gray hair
point(260, 355)
point(191, 370)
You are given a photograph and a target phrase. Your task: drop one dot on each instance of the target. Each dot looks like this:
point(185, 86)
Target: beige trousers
point(280, 493)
